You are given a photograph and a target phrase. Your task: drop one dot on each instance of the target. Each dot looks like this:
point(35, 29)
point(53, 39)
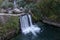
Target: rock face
point(4, 19)
point(3, 10)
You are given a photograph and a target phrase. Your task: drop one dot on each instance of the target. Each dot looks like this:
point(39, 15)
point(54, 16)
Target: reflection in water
point(26, 37)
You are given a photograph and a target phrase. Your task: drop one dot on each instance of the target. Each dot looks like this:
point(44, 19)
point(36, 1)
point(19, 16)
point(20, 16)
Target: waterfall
point(27, 25)
point(30, 20)
point(15, 7)
point(24, 24)
point(15, 4)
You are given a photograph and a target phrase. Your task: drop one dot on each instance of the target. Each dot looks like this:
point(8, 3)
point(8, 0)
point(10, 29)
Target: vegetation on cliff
point(50, 9)
point(11, 25)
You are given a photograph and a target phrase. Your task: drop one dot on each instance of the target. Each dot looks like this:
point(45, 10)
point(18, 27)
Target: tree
point(50, 9)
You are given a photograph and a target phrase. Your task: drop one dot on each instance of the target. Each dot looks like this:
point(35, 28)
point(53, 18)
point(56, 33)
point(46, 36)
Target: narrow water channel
point(47, 32)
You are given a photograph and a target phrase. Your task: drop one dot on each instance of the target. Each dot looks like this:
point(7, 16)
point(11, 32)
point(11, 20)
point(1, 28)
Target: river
point(47, 32)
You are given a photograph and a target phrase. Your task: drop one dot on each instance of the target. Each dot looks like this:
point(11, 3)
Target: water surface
point(47, 32)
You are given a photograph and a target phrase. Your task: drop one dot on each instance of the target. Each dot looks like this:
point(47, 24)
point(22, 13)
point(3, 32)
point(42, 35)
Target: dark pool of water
point(47, 33)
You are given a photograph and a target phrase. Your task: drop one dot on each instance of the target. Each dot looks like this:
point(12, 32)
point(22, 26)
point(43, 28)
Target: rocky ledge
point(51, 23)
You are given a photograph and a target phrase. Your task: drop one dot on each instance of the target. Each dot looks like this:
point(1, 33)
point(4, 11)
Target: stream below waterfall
point(47, 32)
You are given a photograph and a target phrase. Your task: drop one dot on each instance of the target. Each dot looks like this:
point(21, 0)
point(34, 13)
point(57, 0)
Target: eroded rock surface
point(4, 19)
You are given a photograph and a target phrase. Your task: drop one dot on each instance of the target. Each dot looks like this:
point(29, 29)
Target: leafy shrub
point(49, 7)
point(12, 24)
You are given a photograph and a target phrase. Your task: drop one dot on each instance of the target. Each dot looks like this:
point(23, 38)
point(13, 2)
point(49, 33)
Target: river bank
point(51, 23)
point(9, 35)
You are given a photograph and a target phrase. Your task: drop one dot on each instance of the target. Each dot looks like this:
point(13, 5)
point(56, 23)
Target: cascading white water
point(24, 24)
point(15, 4)
point(33, 28)
point(15, 7)
point(27, 25)
point(29, 16)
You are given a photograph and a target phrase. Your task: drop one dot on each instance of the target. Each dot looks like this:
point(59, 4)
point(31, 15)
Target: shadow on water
point(47, 32)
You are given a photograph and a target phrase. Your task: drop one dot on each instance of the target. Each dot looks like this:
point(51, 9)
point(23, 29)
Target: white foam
point(31, 29)
point(26, 28)
point(16, 10)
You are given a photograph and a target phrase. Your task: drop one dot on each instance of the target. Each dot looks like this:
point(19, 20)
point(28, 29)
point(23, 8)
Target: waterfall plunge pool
point(47, 32)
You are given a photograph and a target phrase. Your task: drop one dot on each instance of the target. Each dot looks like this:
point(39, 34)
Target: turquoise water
point(47, 33)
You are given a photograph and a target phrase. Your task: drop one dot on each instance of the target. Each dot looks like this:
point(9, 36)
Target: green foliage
point(21, 3)
point(35, 10)
point(45, 8)
point(1, 2)
point(7, 4)
point(50, 8)
point(12, 24)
